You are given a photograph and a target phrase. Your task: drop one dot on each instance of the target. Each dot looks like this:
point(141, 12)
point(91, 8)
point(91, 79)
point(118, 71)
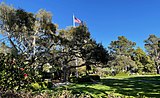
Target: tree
point(122, 46)
point(16, 25)
point(27, 33)
point(151, 45)
point(143, 62)
point(75, 43)
point(121, 51)
point(32, 35)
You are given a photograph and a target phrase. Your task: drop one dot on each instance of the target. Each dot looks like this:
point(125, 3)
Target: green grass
point(124, 86)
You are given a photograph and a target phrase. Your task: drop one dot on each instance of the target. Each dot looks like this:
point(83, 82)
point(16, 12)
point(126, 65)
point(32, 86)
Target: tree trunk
point(158, 69)
point(76, 67)
point(77, 75)
point(65, 74)
point(13, 45)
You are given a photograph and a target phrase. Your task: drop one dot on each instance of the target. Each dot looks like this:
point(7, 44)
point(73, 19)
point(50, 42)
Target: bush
point(102, 72)
point(84, 79)
point(41, 85)
point(13, 75)
point(16, 73)
point(73, 79)
point(89, 78)
point(95, 77)
point(47, 75)
point(122, 74)
point(50, 85)
point(36, 86)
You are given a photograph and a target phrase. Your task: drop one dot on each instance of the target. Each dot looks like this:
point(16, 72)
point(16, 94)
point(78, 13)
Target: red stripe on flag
point(76, 20)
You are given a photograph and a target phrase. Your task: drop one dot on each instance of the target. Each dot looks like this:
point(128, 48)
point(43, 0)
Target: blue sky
point(106, 19)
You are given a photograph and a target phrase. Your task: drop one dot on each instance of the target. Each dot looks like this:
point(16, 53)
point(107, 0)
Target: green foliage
point(102, 72)
point(84, 79)
point(122, 63)
point(76, 43)
point(36, 86)
point(143, 62)
point(23, 18)
point(73, 79)
point(122, 46)
point(89, 78)
point(121, 51)
point(151, 45)
point(122, 74)
point(95, 77)
point(13, 75)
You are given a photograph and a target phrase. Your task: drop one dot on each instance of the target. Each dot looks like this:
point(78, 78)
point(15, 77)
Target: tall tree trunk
point(64, 73)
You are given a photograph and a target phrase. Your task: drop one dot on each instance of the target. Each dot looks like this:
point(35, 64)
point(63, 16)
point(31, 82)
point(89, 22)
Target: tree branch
point(84, 64)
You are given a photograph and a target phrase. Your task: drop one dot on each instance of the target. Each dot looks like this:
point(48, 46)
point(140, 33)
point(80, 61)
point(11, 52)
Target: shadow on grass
point(146, 86)
point(84, 89)
point(135, 86)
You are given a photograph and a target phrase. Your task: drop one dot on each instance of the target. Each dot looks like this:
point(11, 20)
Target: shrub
point(122, 74)
point(95, 77)
point(44, 94)
point(102, 72)
point(73, 79)
point(41, 85)
point(47, 75)
point(50, 85)
point(84, 79)
point(89, 78)
point(35, 86)
point(13, 75)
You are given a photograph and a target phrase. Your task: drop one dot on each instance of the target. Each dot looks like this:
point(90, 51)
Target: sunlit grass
point(124, 86)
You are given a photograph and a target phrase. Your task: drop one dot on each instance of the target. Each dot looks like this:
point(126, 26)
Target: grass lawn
point(124, 86)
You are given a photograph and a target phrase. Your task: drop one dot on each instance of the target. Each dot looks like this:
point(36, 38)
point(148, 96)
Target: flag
point(76, 20)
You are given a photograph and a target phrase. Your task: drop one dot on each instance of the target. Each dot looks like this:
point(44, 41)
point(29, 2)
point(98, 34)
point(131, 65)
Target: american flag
point(76, 20)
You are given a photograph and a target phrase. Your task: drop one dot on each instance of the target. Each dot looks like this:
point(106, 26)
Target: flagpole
point(73, 21)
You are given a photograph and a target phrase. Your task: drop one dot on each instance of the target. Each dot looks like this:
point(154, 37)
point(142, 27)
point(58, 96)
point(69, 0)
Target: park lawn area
point(119, 86)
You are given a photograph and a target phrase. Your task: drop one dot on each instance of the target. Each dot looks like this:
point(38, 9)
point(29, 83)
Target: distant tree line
point(126, 57)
